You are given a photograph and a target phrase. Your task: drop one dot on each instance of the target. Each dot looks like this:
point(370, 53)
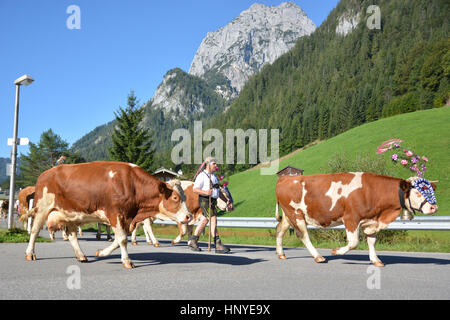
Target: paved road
point(249, 272)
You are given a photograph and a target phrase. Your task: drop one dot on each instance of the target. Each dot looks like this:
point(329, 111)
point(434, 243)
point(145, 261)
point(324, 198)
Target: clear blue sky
point(83, 76)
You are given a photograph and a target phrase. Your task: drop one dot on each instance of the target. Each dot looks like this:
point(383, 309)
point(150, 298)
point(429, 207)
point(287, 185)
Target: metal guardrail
point(418, 223)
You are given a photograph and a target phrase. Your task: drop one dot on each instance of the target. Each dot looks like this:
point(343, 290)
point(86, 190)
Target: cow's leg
point(133, 234)
point(353, 242)
point(149, 233)
point(302, 233)
point(72, 231)
point(38, 224)
point(181, 232)
point(282, 227)
point(64, 234)
point(108, 233)
point(80, 232)
point(121, 239)
point(371, 240)
point(98, 236)
point(107, 251)
point(133, 237)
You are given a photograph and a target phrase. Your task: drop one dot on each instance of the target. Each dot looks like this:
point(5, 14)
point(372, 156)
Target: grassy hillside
point(426, 132)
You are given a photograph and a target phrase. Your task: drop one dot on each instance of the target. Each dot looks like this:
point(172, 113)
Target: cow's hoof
point(82, 259)
point(334, 251)
point(282, 257)
point(320, 259)
point(97, 253)
point(156, 245)
point(128, 265)
point(134, 243)
point(110, 240)
point(65, 239)
point(30, 257)
point(378, 264)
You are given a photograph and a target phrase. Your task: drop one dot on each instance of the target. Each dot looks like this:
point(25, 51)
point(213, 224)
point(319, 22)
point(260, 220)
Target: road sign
point(21, 141)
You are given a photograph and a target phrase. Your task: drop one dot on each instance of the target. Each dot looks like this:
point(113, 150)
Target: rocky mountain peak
point(259, 35)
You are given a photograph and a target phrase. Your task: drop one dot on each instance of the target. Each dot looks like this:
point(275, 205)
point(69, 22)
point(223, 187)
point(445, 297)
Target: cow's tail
point(277, 213)
point(24, 217)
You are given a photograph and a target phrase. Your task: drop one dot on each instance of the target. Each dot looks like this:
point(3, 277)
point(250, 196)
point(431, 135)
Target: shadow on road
point(390, 259)
point(159, 258)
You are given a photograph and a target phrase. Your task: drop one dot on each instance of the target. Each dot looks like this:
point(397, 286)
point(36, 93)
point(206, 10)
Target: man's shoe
point(193, 243)
point(220, 248)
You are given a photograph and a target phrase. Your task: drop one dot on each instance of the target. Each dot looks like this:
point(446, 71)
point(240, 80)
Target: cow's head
point(225, 201)
point(173, 201)
point(419, 195)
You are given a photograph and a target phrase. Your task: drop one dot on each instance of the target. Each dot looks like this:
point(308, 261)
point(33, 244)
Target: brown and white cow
point(4, 208)
point(115, 193)
point(25, 196)
point(358, 200)
point(224, 203)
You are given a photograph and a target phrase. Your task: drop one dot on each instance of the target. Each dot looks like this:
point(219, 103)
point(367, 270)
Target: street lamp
point(23, 80)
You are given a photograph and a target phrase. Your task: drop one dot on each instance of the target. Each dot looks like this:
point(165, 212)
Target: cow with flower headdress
point(358, 200)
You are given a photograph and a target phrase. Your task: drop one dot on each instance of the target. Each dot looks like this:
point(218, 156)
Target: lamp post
point(23, 80)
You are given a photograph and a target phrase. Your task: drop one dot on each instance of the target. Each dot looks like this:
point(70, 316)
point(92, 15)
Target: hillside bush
point(341, 162)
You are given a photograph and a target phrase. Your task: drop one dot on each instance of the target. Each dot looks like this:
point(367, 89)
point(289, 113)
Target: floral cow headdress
point(425, 188)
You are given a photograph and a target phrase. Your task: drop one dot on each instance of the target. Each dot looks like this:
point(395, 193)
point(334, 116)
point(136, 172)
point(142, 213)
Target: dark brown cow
point(114, 193)
point(357, 200)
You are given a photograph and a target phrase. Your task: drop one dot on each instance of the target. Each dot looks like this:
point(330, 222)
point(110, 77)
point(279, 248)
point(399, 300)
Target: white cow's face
point(420, 201)
point(173, 202)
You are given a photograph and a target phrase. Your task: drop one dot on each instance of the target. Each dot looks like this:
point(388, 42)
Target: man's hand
point(202, 192)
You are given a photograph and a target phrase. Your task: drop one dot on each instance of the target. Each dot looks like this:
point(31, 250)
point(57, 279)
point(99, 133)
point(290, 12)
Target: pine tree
point(44, 155)
point(130, 141)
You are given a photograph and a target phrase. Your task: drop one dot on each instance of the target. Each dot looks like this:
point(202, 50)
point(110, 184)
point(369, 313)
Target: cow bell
point(406, 215)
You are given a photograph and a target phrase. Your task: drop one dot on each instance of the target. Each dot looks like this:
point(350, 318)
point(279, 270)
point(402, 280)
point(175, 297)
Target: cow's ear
point(405, 186)
point(433, 186)
point(164, 190)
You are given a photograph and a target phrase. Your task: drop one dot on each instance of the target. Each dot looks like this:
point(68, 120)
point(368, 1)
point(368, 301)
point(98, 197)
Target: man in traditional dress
point(206, 185)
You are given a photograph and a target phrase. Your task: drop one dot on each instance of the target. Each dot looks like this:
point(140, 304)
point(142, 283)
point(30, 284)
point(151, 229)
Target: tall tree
point(131, 142)
point(44, 155)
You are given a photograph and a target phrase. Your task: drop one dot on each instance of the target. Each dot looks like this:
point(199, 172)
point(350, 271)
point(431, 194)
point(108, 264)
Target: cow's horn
point(174, 182)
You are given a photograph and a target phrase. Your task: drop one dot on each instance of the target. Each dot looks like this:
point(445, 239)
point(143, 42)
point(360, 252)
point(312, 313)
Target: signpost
point(23, 80)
